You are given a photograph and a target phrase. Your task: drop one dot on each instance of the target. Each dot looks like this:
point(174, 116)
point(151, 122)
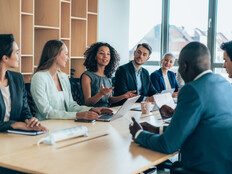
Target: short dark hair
point(197, 55)
point(6, 45)
point(91, 63)
point(50, 51)
point(227, 46)
point(147, 46)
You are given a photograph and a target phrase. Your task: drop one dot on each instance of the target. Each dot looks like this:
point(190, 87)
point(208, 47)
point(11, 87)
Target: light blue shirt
point(138, 79)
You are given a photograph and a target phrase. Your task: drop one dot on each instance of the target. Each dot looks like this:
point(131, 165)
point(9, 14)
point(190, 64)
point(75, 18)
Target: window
point(145, 26)
point(188, 22)
point(224, 27)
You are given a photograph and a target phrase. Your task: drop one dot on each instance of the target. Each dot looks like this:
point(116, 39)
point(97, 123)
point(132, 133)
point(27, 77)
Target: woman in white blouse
point(14, 109)
point(51, 91)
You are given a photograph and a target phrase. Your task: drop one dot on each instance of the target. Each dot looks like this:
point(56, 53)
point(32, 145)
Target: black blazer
point(19, 106)
point(125, 81)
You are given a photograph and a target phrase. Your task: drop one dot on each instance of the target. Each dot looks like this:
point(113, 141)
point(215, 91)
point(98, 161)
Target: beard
point(137, 62)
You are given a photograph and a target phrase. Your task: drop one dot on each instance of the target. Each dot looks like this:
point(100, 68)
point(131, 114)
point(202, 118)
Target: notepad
point(25, 132)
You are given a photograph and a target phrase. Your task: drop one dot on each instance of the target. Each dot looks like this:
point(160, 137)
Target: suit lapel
point(13, 94)
point(2, 107)
point(162, 78)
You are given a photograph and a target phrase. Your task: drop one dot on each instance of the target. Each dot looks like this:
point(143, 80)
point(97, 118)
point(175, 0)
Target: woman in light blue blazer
point(51, 91)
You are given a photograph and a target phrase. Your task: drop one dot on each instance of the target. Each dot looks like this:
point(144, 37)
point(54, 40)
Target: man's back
point(209, 146)
point(201, 126)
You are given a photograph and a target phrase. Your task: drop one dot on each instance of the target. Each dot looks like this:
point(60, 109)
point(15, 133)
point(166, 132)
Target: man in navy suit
point(202, 121)
point(132, 76)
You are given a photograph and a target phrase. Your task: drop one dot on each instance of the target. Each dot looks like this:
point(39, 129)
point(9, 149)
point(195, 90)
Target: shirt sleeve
point(186, 117)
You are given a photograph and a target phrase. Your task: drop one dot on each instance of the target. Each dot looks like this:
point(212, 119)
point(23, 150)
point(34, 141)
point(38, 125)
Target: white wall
point(113, 25)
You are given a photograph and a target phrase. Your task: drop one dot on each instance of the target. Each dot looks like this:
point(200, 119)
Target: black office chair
point(76, 90)
point(30, 99)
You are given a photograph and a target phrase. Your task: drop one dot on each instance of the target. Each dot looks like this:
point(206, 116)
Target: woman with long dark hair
point(51, 91)
point(101, 62)
point(14, 109)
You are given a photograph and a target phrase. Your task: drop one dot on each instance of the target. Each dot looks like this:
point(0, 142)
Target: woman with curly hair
point(101, 61)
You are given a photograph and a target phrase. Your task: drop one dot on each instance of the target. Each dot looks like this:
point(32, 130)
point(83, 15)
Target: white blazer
point(49, 104)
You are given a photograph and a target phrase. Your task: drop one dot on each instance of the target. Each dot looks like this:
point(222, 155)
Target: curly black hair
point(91, 63)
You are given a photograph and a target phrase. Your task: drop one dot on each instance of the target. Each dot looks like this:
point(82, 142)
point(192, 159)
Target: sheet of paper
point(164, 99)
point(168, 91)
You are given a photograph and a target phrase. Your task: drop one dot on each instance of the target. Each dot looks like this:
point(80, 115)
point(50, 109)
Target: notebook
point(25, 132)
point(121, 111)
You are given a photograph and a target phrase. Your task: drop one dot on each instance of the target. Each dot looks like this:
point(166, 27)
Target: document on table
point(164, 99)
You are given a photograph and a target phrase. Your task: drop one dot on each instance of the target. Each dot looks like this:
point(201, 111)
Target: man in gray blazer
point(201, 124)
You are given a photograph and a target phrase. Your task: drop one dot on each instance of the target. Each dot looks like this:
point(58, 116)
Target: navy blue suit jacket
point(201, 126)
point(19, 106)
point(125, 81)
point(158, 80)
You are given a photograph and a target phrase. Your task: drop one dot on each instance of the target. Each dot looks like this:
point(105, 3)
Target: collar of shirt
point(203, 73)
point(136, 70)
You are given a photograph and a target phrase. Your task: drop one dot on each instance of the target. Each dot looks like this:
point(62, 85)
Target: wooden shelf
point(34, 22)
point(27, 64)
point(92, 13)
point(41, 37)
point(79, 8)
point(29, 14)
point(81, 68)
point(65, 20)
point(78, 34)
point(27, 32)
point(92, 6)
point(47, 13)
point(27, 6)
point(78, 18)
point(92, 29)
point(63, 1)
point(45, 27)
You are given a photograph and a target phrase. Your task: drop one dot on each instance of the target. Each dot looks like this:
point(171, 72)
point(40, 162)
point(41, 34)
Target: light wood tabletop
point(109, 148)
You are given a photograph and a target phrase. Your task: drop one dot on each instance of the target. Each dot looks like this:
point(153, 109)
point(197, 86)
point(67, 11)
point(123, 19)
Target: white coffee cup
point(146, 107)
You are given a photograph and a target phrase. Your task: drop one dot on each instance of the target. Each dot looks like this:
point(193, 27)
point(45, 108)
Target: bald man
point(201, 126)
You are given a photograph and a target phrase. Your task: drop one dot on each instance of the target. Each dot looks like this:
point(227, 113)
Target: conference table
point(108, 148)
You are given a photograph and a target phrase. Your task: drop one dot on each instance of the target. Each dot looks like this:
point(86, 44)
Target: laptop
point(121, 111)
point(154, 108)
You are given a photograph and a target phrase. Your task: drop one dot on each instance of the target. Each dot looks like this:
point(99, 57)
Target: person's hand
point(105, 91)
point(150, 99)
point(23, 126)
point(32, 122)
point(102, 110)
point(87, 115)
point(150, 128)
point(130, 94)
point(166, 111)
point(174, 95)
point(134, 127)
point(39, 128)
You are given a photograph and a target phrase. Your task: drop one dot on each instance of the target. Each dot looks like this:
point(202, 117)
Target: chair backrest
point(30, 99)
point(76, 90)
